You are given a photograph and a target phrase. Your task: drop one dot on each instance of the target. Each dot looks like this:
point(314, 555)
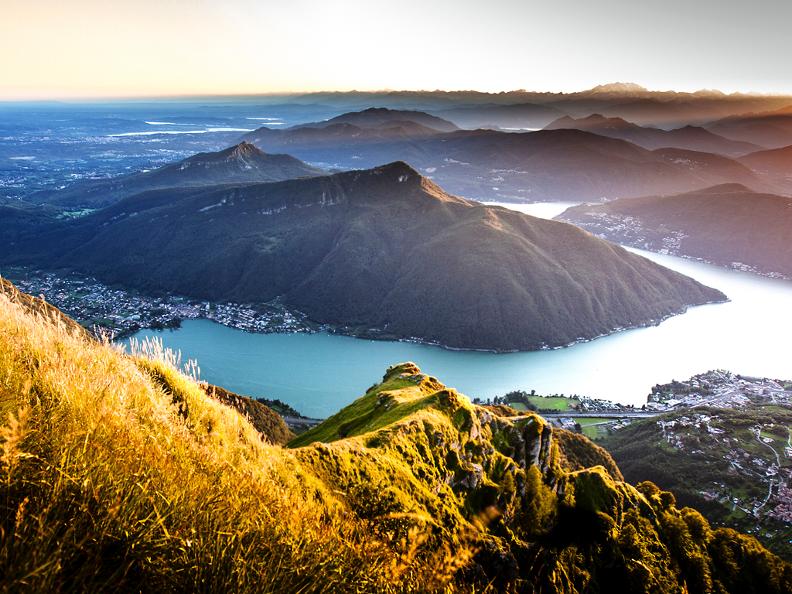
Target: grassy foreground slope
point(119, 472)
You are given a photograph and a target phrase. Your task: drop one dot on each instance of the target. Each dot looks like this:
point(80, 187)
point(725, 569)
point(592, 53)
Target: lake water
point(320, 373)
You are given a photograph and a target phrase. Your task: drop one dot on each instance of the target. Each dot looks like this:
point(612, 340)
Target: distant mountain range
point(573, 159)
point(729, 225)
point(383, 252)
point(532, 109)
point(694, 138)
point(243, 163)
point(491, 165)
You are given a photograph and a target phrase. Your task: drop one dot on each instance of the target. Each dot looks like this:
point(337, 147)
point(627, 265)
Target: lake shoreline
point(376, 335)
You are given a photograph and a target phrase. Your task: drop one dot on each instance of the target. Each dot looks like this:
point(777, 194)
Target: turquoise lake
point(320, 373)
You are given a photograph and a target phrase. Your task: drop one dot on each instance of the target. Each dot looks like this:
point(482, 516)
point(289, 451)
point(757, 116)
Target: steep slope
point(383, 253)
point(729, 225)
point(266, 421)
point(692, 138)
point(37, 306)
point(243, 163)
point(119, 473)
point(489, 164)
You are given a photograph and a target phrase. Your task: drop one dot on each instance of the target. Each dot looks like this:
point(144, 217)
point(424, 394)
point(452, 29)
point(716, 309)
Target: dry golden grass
point(118, 472)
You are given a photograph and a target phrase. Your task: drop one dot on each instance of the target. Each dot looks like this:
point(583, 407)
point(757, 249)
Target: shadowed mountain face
point(729, 225)
point(383, 253)
point(358, 129)
point(692, 138)
point(491, 165)
point(243, 163)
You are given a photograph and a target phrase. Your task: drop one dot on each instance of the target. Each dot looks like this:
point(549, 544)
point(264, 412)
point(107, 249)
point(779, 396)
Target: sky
point(53, 49)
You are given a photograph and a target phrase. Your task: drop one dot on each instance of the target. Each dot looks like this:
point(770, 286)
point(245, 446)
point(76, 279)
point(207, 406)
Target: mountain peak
point(397, 168)
point(620, 88)
point(372, 110)
point(243, 149)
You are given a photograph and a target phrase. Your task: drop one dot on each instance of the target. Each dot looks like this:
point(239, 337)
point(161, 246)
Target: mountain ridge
point(545, 165)
point(687, 137)
point(240, 163)
point(373, 253)
point(729, 224)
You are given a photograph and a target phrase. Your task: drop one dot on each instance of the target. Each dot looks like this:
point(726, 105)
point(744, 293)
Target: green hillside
point(731, 464)
point(119, 472)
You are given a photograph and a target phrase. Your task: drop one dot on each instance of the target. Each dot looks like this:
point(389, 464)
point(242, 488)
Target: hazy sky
point(73, 48)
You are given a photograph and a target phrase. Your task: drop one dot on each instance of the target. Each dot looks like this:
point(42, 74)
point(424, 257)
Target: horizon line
point(291, 93)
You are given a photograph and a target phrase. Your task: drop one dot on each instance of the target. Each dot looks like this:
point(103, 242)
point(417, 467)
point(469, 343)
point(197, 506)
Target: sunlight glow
point(89, 48)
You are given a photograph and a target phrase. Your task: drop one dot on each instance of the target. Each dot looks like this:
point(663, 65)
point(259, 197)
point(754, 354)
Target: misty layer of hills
point(531, 110)
point(588, 159)
point(694, 138)
point(613, 141)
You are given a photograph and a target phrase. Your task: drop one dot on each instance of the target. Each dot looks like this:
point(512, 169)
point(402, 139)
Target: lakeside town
point(628, 230)
point(720, 389)
point(741, 426)
point(121, 312)
point(596, 418)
